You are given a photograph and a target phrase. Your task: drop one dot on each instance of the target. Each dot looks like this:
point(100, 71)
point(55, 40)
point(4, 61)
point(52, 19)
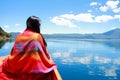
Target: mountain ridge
point(111, 34)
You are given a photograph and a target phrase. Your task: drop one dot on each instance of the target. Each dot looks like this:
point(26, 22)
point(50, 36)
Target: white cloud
point(89, 10)
point(62, 21)
point(117, 16)
point(93, 3)
point(116, 10)
point(17, 25)
point(84, 17)
point(69, 19)
point(111, 5)
point(103, 18)
point(68, 16)
point(103, 8)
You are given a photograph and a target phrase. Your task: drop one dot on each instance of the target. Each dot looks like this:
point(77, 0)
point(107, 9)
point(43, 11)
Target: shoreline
point(3, 38)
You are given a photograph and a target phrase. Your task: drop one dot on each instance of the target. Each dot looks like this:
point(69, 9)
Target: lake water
point(82, 59)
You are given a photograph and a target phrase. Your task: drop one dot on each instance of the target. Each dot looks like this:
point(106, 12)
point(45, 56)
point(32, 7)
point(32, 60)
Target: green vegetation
point(4, 35)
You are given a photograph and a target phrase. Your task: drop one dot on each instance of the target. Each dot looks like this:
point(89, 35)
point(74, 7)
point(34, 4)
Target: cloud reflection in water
point(106, 66)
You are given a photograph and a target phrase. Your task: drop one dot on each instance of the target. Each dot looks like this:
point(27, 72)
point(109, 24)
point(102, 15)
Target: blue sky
point(61, 16)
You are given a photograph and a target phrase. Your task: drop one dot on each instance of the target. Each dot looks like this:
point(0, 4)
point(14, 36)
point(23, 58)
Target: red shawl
point(29, 60)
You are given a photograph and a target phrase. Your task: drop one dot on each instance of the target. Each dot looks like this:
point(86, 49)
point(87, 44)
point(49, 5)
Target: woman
point(29, 58)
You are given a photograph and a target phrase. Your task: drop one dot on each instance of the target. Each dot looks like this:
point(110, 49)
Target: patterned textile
point(29, 60)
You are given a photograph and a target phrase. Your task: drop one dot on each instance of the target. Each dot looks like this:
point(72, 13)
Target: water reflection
point(2, 42)
point(114, 43)
point(5, 47)
point(67, 58)
point(92, 59)
point(103, 66)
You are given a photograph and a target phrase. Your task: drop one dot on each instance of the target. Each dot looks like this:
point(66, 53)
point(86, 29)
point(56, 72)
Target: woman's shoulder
point(27, 35)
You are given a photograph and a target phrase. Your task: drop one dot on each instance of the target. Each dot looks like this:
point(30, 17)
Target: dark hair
point(33, 23)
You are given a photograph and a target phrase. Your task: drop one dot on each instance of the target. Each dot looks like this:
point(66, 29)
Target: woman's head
point(33, 23)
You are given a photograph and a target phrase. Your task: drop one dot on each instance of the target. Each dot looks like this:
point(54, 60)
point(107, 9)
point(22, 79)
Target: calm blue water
point(83, 59)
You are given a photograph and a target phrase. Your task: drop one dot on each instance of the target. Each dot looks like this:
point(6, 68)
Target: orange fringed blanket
point(29, 60)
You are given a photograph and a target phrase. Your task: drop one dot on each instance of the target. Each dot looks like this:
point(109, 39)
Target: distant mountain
point(112, 34)
point(14, 34)
point(4, 35)
point(115, 33)
point(62, 35)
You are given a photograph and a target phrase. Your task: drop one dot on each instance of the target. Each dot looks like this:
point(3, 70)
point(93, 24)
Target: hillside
point(4, 35)
point(115, 33)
